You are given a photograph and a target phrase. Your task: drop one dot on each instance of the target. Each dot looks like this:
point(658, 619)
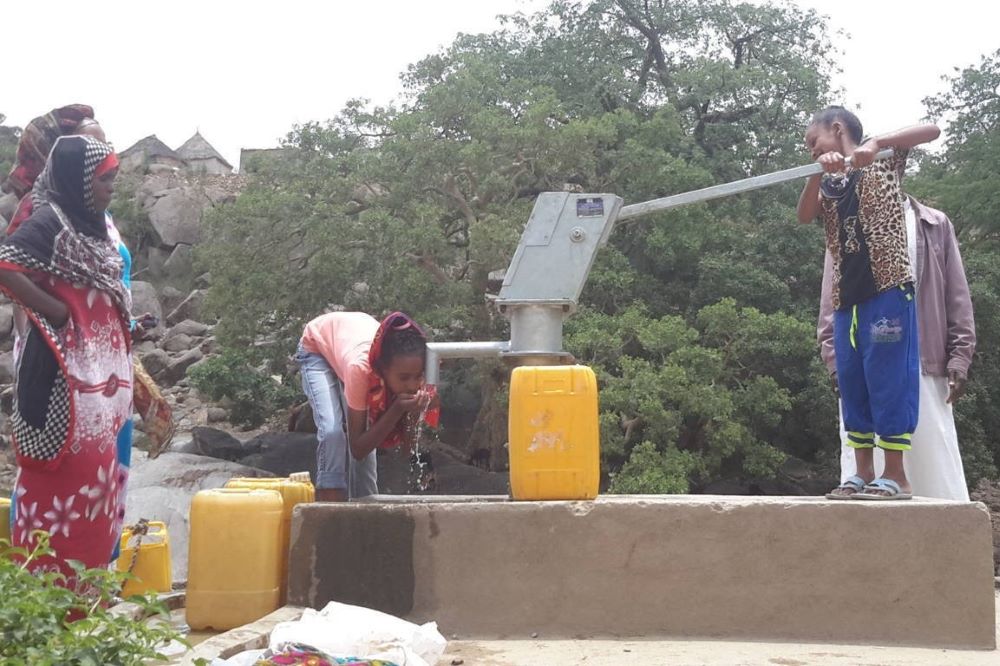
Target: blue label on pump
point(590, 207)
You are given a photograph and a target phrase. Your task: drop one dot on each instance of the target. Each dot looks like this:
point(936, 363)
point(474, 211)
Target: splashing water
point(421, 479)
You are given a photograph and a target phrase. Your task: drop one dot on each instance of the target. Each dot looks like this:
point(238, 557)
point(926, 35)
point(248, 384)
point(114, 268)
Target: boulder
point(157, 185)
point(216, 415)
point(144, 300)
point(176, 216)
point(155, 361)
point(143, 348)
point(7, 368)
point(162, 489)
point(283, 453)
point(301, 419)
point(6, 320)
point(216, 443)
point(188, 327)
point(157, 258)
point(183, 444)
point(218, 194)
point(188, 308)
point(171, 297)
point(179, 366)
point(178, 343)
point(210, 347)
point(8, 206)
point(180, 263)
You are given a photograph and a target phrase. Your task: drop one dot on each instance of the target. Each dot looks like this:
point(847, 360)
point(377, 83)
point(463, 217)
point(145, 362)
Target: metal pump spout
point(438, 351)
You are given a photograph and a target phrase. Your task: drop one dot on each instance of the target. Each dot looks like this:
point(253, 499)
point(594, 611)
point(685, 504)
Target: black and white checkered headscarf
point(68, 182)
point(71, 242)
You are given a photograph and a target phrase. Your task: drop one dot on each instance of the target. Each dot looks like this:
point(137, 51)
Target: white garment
point(910, 216)
point(934, 464)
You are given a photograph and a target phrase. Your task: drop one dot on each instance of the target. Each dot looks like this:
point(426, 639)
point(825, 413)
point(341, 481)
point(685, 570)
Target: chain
point(139, 530)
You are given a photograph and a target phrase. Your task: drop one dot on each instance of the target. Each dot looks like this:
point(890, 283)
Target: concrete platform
point(736, 568)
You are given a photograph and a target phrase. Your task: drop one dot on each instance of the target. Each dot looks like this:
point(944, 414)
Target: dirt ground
point(704, 653)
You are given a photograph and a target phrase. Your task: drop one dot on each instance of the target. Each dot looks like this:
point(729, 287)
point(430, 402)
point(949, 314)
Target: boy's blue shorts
point(878, 369)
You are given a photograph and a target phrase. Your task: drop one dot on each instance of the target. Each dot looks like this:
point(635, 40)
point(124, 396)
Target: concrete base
point(800, 569)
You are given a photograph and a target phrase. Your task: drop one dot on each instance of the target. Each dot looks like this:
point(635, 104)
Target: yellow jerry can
point(152, 560)
point(554, 439)
point(5, 518)
point(292, 492)
point(234, 556)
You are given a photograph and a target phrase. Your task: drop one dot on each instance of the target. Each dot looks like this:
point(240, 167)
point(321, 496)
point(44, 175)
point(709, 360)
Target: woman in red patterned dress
point(74, 375)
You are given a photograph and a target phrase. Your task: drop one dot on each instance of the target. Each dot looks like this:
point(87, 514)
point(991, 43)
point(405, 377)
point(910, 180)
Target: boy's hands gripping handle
point(865, 154)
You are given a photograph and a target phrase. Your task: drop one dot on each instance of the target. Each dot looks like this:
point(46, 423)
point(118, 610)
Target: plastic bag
point(343, 630)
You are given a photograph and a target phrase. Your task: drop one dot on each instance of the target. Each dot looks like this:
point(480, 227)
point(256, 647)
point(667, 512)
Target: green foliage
point(33, 617)
point(8, 147)
point(650, 471)
point(414, 205)
point(253, 394)
point(964, 181)
point(130, 218)
point(699, 321)
point(724, 392)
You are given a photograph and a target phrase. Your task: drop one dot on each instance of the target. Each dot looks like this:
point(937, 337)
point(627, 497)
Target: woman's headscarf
point(36, 143)
point(68, 182)
point(379, 396)
point(72, 243)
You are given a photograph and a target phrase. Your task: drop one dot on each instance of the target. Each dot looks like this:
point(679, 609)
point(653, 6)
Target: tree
point(964, 181)
point(965, 178)
point(8, 147)
point(698, 321)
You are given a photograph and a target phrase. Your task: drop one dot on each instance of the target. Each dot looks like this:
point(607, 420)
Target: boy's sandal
point(889, 486)
point(853, 483)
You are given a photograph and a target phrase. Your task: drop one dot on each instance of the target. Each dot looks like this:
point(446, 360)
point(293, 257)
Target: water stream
point(421, 473)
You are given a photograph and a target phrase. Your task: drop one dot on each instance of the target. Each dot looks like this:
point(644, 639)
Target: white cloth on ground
point(343, 630)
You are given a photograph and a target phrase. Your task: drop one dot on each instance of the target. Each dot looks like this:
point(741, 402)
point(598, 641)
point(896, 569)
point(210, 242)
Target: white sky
point(243, 72)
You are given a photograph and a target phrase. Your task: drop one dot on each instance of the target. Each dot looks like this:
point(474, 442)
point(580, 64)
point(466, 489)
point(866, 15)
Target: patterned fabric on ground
point(305, 655)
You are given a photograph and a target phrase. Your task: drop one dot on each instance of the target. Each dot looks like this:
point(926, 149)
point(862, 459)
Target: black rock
point(220, 444)
point(283, 453)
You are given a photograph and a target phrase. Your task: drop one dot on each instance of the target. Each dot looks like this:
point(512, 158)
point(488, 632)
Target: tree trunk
point(489, 433)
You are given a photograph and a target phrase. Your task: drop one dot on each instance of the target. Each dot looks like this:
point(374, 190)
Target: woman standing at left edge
point(74, 374)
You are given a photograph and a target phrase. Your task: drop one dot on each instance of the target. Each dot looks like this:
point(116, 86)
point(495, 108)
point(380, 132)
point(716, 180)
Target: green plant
point(254, 395)
point(34, 628)
point(8, 146)
point(649, 471)
point(131, 218)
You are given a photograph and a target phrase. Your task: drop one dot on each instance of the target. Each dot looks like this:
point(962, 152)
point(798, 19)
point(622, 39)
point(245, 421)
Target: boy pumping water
point(875, 330)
